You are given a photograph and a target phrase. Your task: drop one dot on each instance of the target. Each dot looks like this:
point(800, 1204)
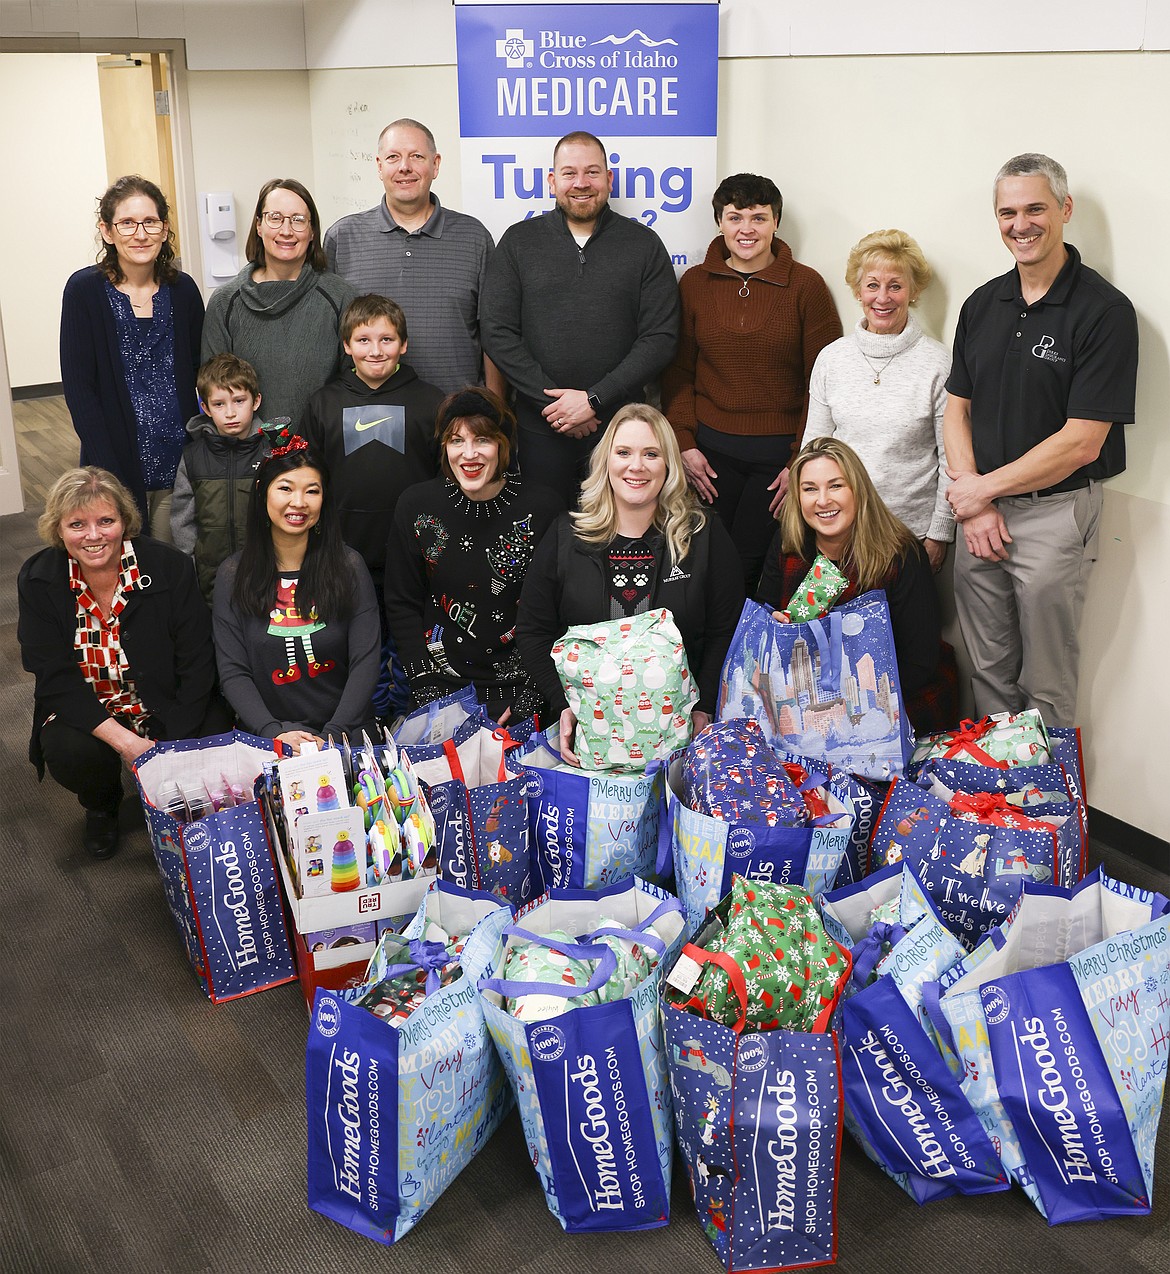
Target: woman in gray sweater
point(282, 312)
point(881, 389)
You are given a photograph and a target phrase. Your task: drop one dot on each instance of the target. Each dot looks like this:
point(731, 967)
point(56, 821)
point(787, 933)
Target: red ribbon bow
point(988, 807)
point(965, 738)
point(994, 809)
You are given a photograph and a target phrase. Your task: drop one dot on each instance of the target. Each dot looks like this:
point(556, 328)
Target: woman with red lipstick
point(114, 629)
point(753, 322)
point(835, 509)
point(882, 389)
point(457, 556)
point(297, 633)
point(639, 541)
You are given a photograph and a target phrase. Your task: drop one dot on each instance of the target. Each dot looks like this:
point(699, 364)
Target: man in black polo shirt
point(1043, 376)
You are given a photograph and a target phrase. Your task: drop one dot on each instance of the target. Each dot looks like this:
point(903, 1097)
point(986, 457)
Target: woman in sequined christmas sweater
point(457, 556)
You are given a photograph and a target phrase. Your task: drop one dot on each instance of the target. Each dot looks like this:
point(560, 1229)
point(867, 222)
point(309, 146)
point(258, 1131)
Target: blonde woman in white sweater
point(881, 388)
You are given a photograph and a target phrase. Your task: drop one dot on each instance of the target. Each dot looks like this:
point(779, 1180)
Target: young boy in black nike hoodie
point(375, 425)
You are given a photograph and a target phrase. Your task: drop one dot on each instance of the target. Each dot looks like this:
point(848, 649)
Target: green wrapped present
point(817, 592)
point(629, 687)
point(636, 958)
point(535, 962)
point(772, 965)
point(1002, 740)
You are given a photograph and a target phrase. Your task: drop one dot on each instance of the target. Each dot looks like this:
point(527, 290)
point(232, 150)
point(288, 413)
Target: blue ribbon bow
point(873, 946)
point(430, 956)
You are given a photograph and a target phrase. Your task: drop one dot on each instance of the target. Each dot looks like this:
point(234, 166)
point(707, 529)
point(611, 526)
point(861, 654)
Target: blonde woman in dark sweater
point(753, 322)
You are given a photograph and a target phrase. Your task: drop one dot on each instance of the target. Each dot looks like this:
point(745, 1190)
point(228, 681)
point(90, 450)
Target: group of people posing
point(456, 461)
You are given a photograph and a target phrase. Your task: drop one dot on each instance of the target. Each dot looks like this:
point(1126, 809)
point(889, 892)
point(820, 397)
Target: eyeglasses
point(297, 220)
point(150, 225)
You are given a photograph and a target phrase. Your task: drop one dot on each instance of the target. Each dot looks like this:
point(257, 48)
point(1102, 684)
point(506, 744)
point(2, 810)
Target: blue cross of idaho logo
point(514, 48)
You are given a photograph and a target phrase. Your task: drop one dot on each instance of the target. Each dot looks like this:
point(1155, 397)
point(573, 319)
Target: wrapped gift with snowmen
point(628, 684)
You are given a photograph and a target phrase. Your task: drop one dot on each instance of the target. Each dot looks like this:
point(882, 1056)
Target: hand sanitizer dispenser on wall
point(217, 225)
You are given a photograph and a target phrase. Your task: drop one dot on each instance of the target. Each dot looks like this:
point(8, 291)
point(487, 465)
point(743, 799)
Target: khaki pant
point(158, 506)
point(1021, 618)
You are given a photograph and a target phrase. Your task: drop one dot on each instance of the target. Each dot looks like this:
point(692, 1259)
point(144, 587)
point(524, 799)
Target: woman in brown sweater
point(753, 322)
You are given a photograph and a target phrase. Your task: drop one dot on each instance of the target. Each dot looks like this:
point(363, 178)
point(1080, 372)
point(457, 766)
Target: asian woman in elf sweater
point(297, 632)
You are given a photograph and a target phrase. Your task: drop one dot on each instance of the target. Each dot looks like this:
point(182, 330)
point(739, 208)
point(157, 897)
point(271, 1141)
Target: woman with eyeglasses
point(282, 311)
point(130, 332)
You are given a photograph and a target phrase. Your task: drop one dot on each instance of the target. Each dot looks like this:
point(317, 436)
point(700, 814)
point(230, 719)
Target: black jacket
point(567, 584)
point(213, 488)
point(385, 455)
point(166, 634)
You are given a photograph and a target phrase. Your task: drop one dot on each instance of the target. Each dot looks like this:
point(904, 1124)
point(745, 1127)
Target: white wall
point(350, 108)
point(63, 134)
point(247, 128)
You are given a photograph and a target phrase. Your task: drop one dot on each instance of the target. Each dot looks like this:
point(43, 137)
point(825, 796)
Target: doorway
point(70, 123)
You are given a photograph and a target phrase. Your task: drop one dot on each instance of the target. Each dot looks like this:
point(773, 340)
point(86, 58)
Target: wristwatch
point(595, 403)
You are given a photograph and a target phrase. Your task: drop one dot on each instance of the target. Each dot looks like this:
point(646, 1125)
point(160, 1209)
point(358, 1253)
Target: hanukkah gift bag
point(589, 828)
point(212, 852)
point(1059, 1025)
point(755, 1077)
point(732, 806)
point(403, 1085)
point(629, 687)
point(480, 809)
point(902, 1103)
point(827, 689)
point(573, 1010)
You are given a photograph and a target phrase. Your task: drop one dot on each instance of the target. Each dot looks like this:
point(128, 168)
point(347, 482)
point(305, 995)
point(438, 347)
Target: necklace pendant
point(877, 380)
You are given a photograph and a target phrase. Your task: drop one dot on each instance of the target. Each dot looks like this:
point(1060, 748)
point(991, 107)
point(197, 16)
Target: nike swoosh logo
point(359, 425)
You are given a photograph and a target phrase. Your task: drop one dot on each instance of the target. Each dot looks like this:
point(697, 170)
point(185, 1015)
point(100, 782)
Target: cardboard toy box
point(334, 967)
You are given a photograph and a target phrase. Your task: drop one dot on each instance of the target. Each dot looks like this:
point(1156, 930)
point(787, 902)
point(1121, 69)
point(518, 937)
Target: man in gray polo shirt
point(428, 258)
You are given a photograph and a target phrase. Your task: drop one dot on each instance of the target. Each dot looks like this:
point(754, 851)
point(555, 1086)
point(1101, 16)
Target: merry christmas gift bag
point(902, 1103)
point(758, 1111)
point(827, 689)
point(588, 1070)
point(480, 808)
point(629, 687)
point(589, 828)
point(403, 1092)
point(1058, 1024)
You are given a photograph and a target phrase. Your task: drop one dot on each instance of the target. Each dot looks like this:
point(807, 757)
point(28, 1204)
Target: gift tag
point(685, 974)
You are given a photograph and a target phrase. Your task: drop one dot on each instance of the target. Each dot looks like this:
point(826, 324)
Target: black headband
point(471, 402)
